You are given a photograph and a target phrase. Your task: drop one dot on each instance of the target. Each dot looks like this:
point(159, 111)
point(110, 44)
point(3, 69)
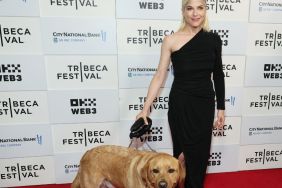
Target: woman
point(195, 54)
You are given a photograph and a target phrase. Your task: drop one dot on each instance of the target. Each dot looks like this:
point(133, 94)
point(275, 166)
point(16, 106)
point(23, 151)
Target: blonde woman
point(195, 54)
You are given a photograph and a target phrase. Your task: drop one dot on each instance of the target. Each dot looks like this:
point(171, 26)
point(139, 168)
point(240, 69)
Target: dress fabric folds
point(198, 77)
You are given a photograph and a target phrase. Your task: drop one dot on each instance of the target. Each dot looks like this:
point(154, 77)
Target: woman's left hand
point(219, 123)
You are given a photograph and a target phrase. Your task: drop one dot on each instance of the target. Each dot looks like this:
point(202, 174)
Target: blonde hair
point(205, 25)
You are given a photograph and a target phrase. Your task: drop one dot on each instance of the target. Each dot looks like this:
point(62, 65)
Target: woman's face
point(194, 13)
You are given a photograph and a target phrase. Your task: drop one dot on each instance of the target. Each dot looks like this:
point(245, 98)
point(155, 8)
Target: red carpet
point(271, 178)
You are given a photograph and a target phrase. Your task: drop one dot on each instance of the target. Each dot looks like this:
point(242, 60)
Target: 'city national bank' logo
point(77, 4)
point(267, 101)
point(10, 73)
point(13, 35)
point(17, 142)
point(59, 37)
point(272, 40)
point(264, 157)
point(20, 172)
point(270, 7)
point(149, 36)
point(87, 137)
point(263, 130)
point(222, 5)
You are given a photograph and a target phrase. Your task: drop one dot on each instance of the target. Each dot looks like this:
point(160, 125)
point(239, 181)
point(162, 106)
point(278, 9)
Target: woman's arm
point(158, 78)
point(218, 77)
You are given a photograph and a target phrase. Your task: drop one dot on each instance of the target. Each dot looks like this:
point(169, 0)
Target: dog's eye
point(171, 170)
point(156, 171)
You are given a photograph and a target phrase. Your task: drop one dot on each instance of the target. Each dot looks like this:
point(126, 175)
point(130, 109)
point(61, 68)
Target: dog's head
point(163, 171)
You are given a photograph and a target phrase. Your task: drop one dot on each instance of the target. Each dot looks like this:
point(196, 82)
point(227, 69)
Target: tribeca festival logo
point(17, 142)
point(272, 71)
point(222, 5)
point(14, 108)
point(222, 132)
point(224, 35)
point(159, 103)
point(148, 5)
point(82, 72)
point(13, 35)
point(10, 73)
point(59, 37)
point(87, 137)
point(264, 157)
point(271, 39)
point(228, 68)
point(267, 101)
point(20, 172)
point(83, 106)
point(149, 36)
point(77, 4)
point(270, 6)
point(263, 130)
point(215, 159)
point(155, 134)
point(71, 168)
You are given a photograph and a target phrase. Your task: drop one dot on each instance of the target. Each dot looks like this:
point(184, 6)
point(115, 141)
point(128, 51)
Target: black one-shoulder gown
point(192, 103)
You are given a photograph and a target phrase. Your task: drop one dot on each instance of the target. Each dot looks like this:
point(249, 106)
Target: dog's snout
point(162, 184)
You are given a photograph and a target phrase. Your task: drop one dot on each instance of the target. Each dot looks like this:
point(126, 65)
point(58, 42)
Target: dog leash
point(136, 146)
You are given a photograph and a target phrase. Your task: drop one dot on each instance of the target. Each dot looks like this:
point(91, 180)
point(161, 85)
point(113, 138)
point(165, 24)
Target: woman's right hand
point(144, 115)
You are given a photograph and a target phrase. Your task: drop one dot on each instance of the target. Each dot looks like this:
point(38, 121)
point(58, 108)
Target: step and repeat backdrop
point(74, 74)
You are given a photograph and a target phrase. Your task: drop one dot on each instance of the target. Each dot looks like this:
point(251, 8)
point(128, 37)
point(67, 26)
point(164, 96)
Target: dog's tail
point(76, 183)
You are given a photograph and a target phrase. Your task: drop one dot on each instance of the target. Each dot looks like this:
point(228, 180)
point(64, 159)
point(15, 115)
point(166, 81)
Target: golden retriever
point(121, 167)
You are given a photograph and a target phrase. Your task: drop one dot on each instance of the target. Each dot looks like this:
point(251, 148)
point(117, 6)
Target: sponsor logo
point(82, 72)
point(224, 35)
point(271, 39)
point(71, 168)
point(14, 108)
point(222, 5)
point(272, 71)
point(270, 7)
point(153, 135)
point(222, 132)
point(87, 137)
point(10, 73)
point(263, 130)
point(231, 100)
point(267, 101)
point(142, 71)
point(159, 103)
point(264, 157)
point(77, 4)
point(17, 142)
point(20, 172)
point(59, 37)
point(83, 106)
point(215, 159)
point(228, 68)
point(148, 36)
point(149, 5)
point(13, 35)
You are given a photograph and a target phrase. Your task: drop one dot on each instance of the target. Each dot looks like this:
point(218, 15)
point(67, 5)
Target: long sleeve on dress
point(218, 76)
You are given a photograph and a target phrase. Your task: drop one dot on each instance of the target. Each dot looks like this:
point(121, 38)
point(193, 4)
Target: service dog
point(121, 167)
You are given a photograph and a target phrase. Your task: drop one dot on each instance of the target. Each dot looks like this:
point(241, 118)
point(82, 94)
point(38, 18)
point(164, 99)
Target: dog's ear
point(182, 173)
point(144, 174)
